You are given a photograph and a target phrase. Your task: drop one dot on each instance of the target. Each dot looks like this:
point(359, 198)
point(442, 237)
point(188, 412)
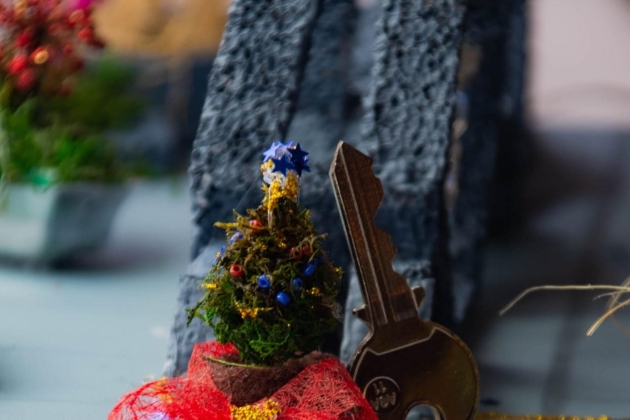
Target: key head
point(438, 371)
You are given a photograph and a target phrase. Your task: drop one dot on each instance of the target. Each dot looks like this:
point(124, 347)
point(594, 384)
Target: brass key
point(404, 361)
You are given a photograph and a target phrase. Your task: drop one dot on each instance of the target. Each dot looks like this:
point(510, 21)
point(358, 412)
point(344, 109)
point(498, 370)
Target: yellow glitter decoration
point(210, 286)
point(162, 390)
point(315, 292)
point(267, 165)
point(250, 312)
point(292, 188)
point(495, 416)
point(283, 186)
point(268, 410)
point(275, 194)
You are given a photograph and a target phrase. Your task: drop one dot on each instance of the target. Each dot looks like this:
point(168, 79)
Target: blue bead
point(309, 270)
point(283, 298)
point(297, 283)
point(219, 255)
point(263, 281)
point(236, 237)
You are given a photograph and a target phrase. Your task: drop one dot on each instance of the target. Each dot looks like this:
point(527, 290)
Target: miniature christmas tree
point(272, 289)
point(270, 296)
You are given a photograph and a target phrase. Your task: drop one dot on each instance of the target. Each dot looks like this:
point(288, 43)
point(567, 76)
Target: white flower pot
point(53, 224)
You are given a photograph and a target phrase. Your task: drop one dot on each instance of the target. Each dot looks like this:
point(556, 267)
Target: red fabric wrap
point(322, 391)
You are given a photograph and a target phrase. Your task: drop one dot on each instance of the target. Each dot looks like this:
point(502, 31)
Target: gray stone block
point(409, 111)
point(182, 337)
point(251, 98)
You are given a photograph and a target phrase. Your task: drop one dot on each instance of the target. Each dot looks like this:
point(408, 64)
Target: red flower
point(77, 18)
point(25, 80)
point(23, 39)
point(86, 35)
point(67, 49)
point(17, 64)
point(55, 29)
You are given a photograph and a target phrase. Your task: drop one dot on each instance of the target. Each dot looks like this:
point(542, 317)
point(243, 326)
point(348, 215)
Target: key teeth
point(418, 295)
point(361, 313)
point(386, 238)
point(349, 153)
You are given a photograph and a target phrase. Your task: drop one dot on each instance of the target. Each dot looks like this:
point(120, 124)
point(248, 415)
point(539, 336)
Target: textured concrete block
point(183, 338)
point(251, 97)
point(409, 111)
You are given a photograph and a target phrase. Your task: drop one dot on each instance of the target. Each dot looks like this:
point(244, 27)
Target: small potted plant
point(61, 181)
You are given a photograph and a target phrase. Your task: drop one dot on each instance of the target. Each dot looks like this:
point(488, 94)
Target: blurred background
point(85, 317)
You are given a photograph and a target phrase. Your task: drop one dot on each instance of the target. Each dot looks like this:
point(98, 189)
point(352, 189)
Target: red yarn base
point(322, 391)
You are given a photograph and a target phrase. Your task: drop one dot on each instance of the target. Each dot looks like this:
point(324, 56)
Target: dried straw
point(611, 308)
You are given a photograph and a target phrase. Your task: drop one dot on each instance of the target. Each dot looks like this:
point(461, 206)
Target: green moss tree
point(272, 289)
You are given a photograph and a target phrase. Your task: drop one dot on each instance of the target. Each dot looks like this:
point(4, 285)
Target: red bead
point(296, 252)
point(17, 64)
point(306, 249)
point(25, 80)
point(257, 225)
point(236, 271)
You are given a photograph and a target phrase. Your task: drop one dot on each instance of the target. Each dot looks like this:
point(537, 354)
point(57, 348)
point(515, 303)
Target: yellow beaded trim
point(268, 410)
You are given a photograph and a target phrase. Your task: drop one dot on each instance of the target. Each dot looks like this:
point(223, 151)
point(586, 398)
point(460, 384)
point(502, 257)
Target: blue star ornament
point(299, 159)
point(282, 166)
point(272, 152)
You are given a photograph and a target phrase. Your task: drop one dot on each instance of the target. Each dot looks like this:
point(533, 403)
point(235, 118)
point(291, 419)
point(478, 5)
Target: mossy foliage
point(284, 313)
